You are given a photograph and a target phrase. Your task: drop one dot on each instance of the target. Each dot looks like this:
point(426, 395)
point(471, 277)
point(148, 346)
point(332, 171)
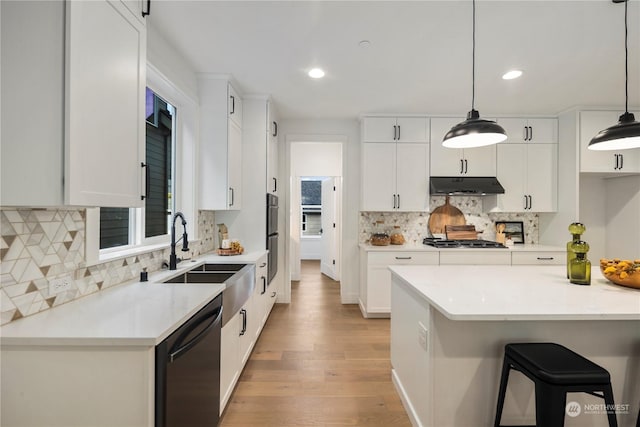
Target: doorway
point(314, 223)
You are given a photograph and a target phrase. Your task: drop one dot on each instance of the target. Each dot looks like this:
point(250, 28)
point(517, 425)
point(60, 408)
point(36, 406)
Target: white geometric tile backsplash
point(415, 225)
point(39, 245)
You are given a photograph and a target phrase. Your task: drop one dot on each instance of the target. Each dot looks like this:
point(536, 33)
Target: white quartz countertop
point(411, 247)
point(131, 314)
point(483, 292)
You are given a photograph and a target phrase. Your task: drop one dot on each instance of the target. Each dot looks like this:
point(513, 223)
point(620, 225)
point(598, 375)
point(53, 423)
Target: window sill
point(138, 250)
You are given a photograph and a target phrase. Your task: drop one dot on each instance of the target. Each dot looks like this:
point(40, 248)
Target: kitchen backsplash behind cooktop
point(415, 225)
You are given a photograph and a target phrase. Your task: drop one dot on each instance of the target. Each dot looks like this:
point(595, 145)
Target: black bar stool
point(555, 370)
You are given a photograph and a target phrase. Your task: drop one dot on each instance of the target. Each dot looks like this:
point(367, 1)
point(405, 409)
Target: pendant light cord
point(473, 60)
point(626, 60)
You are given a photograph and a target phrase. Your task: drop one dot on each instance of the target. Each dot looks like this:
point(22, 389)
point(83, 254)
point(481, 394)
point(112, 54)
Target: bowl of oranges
point(622, 272)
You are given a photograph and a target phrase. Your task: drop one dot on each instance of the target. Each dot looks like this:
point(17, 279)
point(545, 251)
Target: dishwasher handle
point(183, 348)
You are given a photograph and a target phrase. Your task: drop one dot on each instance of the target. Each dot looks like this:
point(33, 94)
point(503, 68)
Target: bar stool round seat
point(555, 371)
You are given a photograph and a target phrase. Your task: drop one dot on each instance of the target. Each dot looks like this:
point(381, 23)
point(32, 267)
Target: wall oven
point(272, 236)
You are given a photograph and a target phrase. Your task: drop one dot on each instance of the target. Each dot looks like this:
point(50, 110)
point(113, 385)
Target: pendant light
point(626, 133)
point(474, 131)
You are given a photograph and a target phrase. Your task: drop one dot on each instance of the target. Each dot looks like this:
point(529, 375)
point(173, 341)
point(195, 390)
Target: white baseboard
point(413, 417)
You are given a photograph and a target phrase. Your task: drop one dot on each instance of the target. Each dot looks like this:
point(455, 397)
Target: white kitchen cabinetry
point(86, 145)
point(395, 177)
point(609, 162)
point(395, 129)
point(240, 334)
point(529, 174)
point(375, 277)
point(538, 258)
point(220, 144)
point(475, 257)
point(480, 161)
point(272, 150)
point(521, 130)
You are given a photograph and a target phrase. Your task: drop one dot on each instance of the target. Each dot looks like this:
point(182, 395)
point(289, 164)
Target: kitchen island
point(449, 325)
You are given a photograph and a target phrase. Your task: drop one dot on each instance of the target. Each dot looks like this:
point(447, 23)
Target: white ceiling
point(419, 60)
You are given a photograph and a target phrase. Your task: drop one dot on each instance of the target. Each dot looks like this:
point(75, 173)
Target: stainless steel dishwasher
point(188, 371)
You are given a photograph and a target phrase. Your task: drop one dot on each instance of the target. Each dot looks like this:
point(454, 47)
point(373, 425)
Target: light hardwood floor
point(317, 363)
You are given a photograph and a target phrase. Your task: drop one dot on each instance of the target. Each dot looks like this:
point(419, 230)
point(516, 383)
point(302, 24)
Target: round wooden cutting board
point(445, 215)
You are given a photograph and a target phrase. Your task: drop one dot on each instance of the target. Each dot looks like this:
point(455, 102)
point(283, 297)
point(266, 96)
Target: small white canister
point(226, 243)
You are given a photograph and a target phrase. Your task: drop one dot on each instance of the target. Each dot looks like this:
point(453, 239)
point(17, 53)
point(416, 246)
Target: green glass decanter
point(580, 268)
point(576, 229)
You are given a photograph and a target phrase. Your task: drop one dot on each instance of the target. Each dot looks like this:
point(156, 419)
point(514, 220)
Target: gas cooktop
point(443, 243)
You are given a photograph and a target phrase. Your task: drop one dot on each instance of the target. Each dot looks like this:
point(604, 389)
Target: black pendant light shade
point(626, 133)
point(474, 132)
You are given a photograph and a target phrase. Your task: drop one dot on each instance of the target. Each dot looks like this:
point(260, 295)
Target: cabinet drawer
point(476, 257)
point(399, 258)
point(538, 258)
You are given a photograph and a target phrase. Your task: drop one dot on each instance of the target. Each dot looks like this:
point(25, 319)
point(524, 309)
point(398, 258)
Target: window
point(122, 227)
point(311, 200)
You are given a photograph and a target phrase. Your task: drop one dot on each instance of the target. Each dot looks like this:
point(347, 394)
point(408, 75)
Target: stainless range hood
point(469, 186)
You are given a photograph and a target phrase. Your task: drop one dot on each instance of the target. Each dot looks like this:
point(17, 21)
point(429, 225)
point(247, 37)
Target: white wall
point(623, 218)
point(349, 129)
point(310, 247)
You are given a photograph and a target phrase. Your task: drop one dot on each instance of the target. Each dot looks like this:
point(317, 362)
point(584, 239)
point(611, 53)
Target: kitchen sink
point(239, 281)
point(199, 276)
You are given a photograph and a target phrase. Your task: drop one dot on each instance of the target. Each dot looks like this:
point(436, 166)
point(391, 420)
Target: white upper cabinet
point(220, 144)
point(528, 173)
point(609, 162)
point(395, 129)
point(395, 177)
point(521, 130)
point(480, 161)
point(235, 107)
point(72, 126)
point(272, 150)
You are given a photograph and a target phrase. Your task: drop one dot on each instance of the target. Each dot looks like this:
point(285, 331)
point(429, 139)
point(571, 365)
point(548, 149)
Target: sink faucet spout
point(173, 259)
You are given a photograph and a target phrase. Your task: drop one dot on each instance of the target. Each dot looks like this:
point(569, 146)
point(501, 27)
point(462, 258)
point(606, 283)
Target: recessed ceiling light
point(513, 74)
point(316, 73)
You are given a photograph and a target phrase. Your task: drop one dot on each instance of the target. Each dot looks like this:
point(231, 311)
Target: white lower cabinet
point(475, 257)
point(538, 258)
point(241, 333)
point(375, 278)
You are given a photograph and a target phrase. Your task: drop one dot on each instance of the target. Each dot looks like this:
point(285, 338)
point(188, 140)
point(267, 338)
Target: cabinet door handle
point(147, 180)
point(232, 196)
point(273, 294)
point(525, 201)
point(461, 166)
point(264, 264)
point(243, 312)
point(530, 201)
point(275, 129)
point(264, 285)
point(403, 257)
point(233, 104)
point(530, 133)
point(398, 132)
point(394, 201)
point(275, 184)
point(525, 133)
point(148, 11)
point(398, 201)
point(543, 258)
point(395, 132)
point(621, 161)
point(466, 166)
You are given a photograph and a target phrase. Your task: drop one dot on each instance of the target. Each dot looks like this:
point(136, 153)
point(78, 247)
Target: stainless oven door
point(272, 257)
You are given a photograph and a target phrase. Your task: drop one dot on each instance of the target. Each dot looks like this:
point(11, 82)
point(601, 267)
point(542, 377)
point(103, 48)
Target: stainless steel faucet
point(173, 259)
